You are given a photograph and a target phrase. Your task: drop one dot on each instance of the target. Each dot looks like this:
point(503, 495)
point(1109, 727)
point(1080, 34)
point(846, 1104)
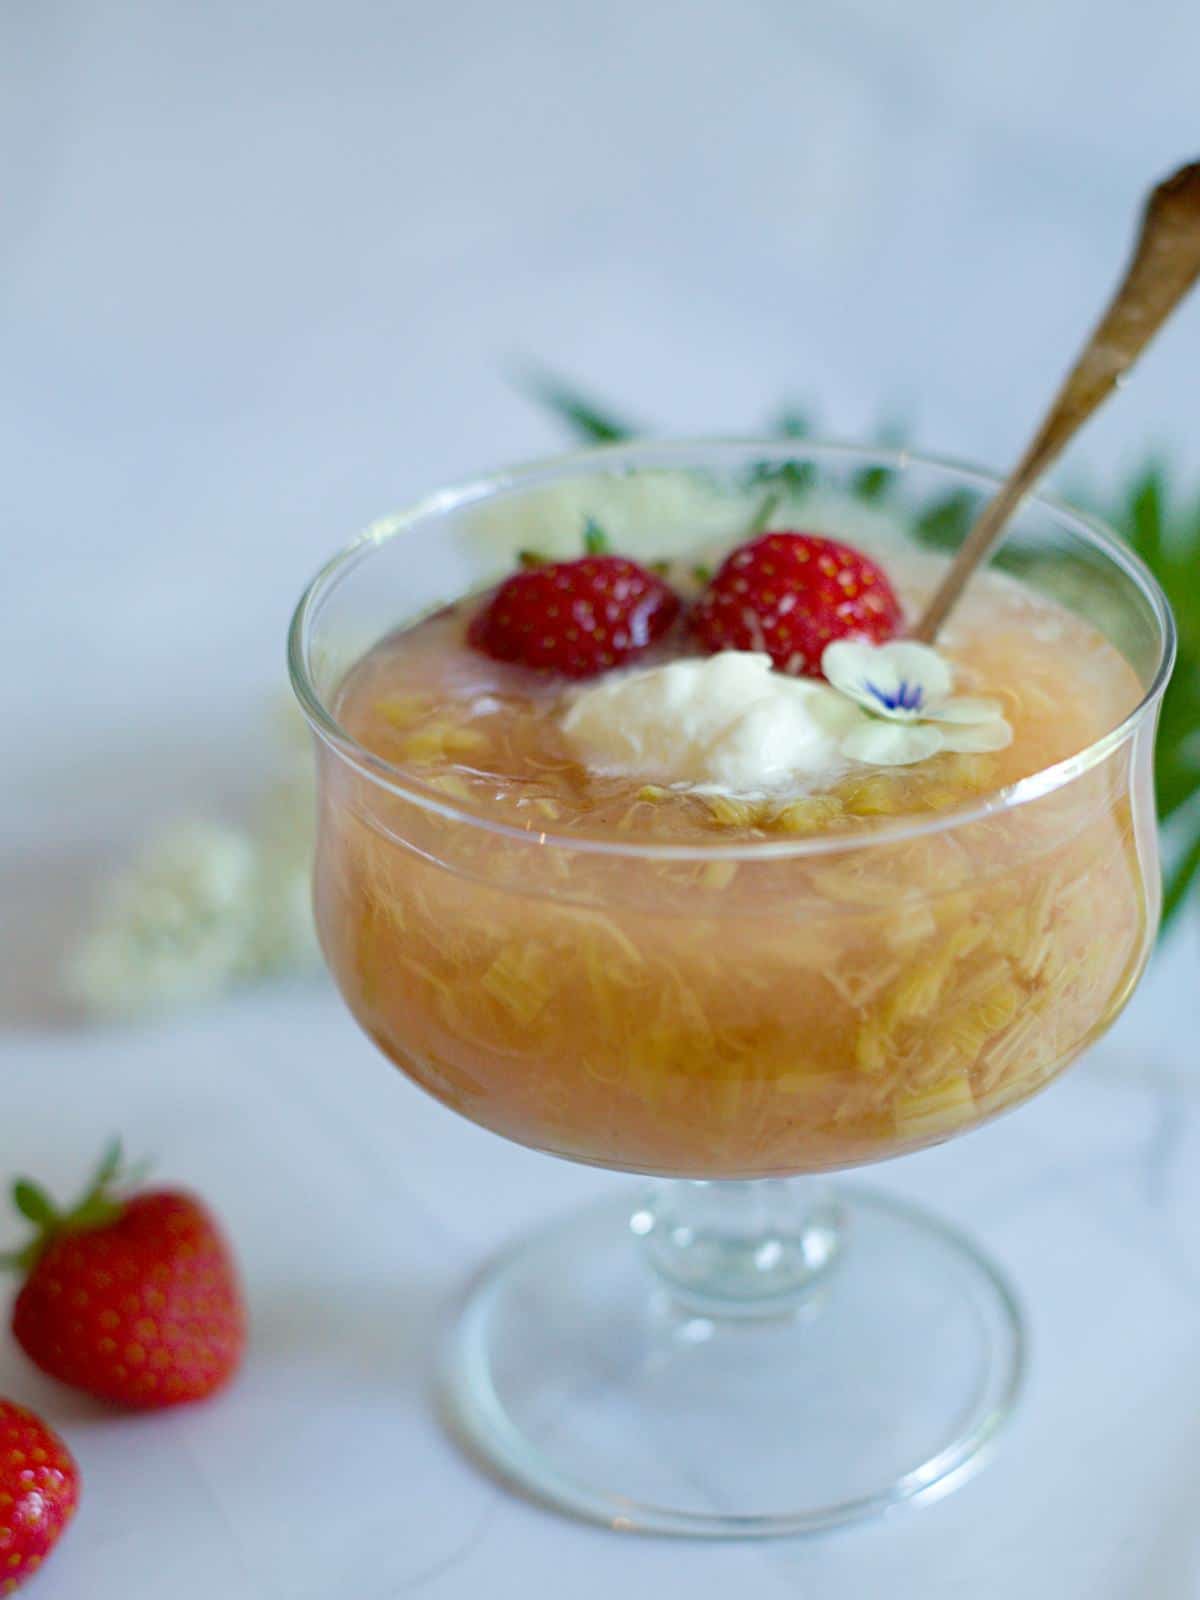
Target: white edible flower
point(906, 688)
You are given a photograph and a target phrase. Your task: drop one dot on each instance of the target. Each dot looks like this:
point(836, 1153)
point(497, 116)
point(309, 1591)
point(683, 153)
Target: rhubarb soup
point(741, 911)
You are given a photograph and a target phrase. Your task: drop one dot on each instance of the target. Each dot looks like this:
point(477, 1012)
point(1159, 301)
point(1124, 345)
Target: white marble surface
point(262, 267)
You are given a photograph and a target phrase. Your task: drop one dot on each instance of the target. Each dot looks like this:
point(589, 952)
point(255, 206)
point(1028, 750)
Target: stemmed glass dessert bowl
point(740, 1346)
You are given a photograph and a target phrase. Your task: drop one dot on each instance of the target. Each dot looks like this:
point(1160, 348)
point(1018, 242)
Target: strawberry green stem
point(595, 540)
point(760, 519)
point(102, 1202)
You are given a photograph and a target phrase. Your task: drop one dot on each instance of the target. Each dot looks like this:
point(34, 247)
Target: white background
point(265, 269)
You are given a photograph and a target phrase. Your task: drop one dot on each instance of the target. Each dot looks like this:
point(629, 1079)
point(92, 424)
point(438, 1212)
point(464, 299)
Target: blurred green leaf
point(1144, 518)
point(791, 423)
point(1177, 761)
point(590, 422)
point(944, 521)
point(792, 477)
point(1179, 574)
point(1180, 881)
point(873, 483)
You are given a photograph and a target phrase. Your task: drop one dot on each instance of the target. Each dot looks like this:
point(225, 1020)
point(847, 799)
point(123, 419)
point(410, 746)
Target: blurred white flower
point(206, 907)
point(284, 936)
point(172, 929)
point(906, 689)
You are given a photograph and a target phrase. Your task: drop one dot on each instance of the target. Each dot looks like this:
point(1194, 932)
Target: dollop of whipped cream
point(724, 723)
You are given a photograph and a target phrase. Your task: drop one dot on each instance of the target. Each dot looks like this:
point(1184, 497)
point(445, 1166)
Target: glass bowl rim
point(659, 453)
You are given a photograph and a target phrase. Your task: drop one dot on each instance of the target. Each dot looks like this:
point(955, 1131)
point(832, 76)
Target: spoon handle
point(1165, 265)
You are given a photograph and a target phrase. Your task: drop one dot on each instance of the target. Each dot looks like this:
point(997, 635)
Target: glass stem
point(739, 1249)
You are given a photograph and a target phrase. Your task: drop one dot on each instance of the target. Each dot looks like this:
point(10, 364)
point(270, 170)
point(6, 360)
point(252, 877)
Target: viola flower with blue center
point(912, 714)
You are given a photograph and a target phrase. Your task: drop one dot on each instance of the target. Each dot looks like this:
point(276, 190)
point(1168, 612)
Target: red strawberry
point(135, 1300)
point(39, 1490)
point(790, 594)
point(575, 617)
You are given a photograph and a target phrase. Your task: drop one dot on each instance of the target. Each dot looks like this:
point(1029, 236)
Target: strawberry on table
point(578, 617)
point(39, 1489)
point(790, 594)
point(133, 1298)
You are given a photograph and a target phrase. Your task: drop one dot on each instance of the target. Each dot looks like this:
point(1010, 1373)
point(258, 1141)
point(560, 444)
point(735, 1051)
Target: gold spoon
point(1165, 265)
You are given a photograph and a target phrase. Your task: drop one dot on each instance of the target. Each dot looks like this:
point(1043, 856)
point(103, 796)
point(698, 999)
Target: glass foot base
point(578, 1374)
